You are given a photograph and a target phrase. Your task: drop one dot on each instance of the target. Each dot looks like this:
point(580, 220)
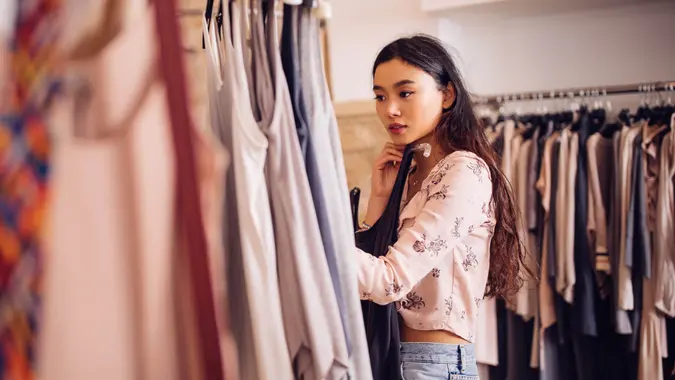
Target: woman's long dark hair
point(460, 129)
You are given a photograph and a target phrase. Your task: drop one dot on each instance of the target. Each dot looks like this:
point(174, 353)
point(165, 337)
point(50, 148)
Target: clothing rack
point(579, 92)
point(193, 12)
point(197, 12)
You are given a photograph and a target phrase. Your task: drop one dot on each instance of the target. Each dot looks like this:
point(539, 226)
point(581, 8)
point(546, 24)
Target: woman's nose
point(393, 109)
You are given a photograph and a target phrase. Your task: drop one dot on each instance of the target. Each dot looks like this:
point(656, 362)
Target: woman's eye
point(379, 98)
point(405, 94)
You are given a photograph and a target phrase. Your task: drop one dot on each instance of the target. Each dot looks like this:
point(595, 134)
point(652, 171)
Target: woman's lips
point(396, 128)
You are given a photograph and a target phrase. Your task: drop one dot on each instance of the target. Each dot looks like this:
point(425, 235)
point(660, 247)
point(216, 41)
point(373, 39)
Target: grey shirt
point(291, 59)
point(311, 314)
point(325, 146)
point(221, 109)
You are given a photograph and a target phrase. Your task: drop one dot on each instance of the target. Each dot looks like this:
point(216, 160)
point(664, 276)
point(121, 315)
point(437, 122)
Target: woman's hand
point(382, 181)
point(385, 170)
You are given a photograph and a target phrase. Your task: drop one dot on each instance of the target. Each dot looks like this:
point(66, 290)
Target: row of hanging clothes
point(595, 193)
point(137, 245)
point(291, 288)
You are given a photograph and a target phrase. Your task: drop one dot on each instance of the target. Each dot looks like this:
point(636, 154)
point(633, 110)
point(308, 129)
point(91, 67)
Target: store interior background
point(501, 46)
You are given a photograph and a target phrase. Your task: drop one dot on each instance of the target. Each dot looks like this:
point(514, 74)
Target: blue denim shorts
point(438, 361)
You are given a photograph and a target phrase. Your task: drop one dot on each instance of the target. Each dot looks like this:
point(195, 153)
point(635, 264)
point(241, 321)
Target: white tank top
point(249, 154)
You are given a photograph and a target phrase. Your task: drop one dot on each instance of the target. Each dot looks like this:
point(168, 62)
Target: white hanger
point(293, 2)
point(325, 11)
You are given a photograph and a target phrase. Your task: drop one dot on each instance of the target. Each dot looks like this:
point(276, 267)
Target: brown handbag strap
point(188, 202)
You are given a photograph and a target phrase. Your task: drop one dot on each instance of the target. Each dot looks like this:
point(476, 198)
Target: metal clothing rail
point(193, 12)
point(196, 12)
point(580, 92)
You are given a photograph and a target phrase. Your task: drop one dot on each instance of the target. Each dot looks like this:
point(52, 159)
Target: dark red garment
point(190, 222)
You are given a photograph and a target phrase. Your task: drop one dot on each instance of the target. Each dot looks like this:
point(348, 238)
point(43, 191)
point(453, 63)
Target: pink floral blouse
point(437, 270)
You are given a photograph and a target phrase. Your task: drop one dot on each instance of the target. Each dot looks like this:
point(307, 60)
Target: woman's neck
point(425, 164)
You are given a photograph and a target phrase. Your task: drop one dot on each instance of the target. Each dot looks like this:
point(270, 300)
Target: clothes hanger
point(324, 11)
point(583, 121)
point(355, 197)
point(625, 117)
point(219, 19)
point(643, 111)
point(533, 122)
point(208, 13)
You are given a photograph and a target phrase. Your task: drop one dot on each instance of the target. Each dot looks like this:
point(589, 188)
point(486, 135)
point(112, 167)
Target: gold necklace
point(414, 181)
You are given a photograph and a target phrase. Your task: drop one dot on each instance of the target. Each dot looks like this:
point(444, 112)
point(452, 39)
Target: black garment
point(638, 249)
point(519, 341)
point(583, 324)
point(564, 349)
point(552, 370)
point(669, 362)
point(585, 289)
point(612, 359)
point(382, 324)
point(499, 372)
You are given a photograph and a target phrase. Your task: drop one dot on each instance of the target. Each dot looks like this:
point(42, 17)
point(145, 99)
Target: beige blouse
point(437, 270)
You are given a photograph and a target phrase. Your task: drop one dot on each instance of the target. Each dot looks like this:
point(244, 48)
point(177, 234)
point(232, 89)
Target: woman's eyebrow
point(397, 84)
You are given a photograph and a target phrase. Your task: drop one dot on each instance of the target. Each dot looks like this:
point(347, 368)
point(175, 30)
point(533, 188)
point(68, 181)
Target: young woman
point(458, 240)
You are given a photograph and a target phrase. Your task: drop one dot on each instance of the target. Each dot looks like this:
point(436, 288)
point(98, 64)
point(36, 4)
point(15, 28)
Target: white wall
point(500, 53)
point(358, 30)
point(617, 45)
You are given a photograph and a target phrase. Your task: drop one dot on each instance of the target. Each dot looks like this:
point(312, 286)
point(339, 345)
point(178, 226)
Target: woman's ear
point(448, 96)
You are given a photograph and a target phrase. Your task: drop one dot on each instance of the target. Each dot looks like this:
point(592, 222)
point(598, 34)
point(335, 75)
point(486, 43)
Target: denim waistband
point(437, 353)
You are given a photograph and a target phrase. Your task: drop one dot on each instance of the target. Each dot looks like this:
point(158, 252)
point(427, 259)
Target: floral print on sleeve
point(470, 261)
point(455, 230)
point(392, 289)
point(440, 194)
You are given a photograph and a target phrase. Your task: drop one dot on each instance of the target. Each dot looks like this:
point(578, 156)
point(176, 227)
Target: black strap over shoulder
point(381, 321)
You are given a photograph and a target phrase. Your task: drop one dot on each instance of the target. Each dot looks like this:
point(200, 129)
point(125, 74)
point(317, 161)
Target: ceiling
point(518, 8)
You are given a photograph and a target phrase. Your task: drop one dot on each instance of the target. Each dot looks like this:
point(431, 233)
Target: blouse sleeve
point(458, 195)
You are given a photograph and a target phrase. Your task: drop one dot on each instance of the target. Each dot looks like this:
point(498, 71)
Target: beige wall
point(362, 137)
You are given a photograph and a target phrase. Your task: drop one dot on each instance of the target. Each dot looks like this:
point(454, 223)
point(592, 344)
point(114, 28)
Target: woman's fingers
point(394, 153)
point(387, 157)
point(391, 149)
point(399, 148)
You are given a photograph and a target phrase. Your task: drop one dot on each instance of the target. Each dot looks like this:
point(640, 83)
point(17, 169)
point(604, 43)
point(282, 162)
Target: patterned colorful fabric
point(24, 169)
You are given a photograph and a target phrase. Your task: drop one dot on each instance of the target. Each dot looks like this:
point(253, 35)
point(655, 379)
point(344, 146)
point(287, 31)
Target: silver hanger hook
point(641, 90)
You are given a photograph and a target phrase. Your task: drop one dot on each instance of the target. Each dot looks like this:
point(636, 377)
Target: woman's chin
point(401, 139)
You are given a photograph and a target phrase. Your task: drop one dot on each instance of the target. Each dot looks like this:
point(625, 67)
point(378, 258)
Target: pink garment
point(437, 270)
point(118, 303)
point(109, 302)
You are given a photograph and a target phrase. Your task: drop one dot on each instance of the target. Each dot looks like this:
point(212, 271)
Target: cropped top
point(437, 270)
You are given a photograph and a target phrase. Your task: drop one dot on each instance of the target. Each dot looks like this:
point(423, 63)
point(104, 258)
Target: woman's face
point(408, 101)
